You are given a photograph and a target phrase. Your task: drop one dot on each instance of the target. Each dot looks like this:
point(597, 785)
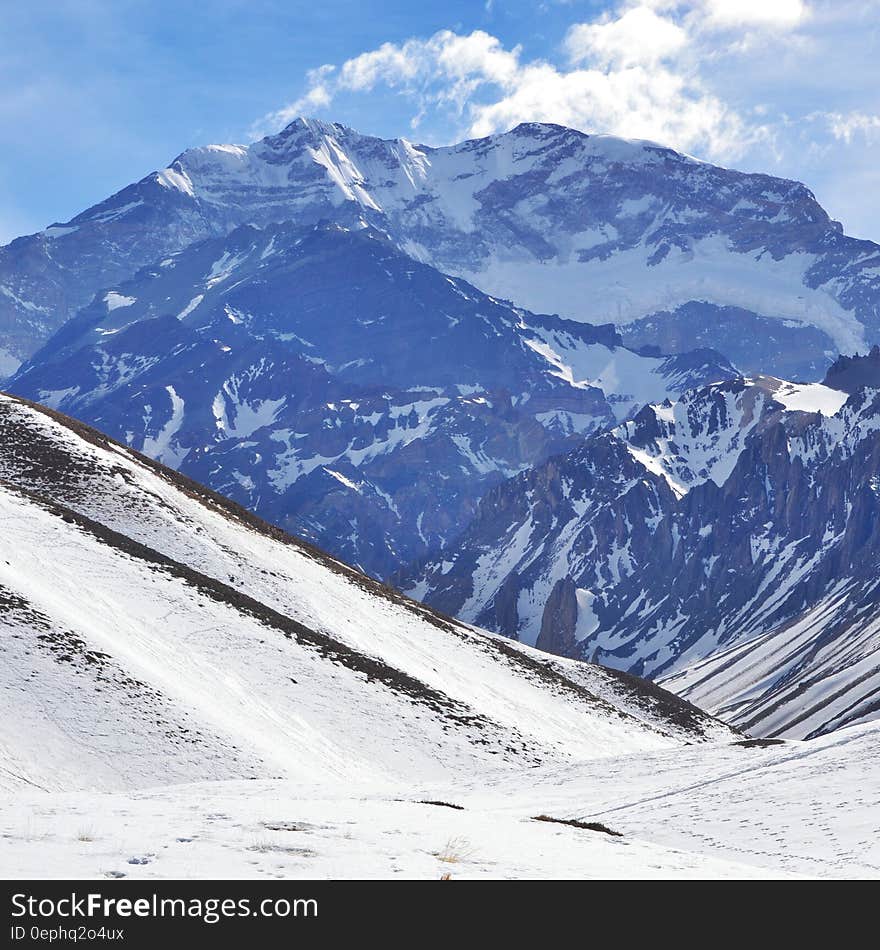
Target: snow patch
point(342, 479)
point(8, 363)
point(188, 309)
point(116, 300)
point(813, 397)
point(58, 230)
point(160, 446)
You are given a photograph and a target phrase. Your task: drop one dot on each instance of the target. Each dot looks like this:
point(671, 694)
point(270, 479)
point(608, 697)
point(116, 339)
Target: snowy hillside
point(152, 630)
point(335, 386)
point(188, 693)
point(733, 533)
point(592, 227)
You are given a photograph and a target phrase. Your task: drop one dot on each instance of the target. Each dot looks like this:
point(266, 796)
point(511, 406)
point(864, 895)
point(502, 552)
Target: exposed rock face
point(850, 374)
point(693, 529)
point(594, 228)
point(755, 342)
point(559, 621)
point(505, 604)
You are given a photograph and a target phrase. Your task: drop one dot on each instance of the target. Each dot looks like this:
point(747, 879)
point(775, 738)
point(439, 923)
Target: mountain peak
point(307, 125)
point(599, 229)
point(544, 129)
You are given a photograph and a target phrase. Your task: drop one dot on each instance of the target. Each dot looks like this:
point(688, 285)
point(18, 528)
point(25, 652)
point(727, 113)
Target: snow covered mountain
point(319, 326)
point(187, 692)
point(324, 379)
point(153, 629)
point(595, 228)
point(734, 533)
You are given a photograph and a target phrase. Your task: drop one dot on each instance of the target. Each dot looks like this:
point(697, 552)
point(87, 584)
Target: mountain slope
point(337, 387)
point(595, 228)
point(153, 632)
point(151, 629)
point(734, 533)
point(805, 678)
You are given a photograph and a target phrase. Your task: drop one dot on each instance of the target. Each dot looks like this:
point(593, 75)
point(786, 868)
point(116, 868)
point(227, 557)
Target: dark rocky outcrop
point(851, 373)
point(559, 620)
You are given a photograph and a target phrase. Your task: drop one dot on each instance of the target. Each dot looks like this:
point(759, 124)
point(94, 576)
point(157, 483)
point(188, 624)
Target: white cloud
point(634, 102)
point(769, 14)
point(638, 36)
point(478, 54)
point(849, 126)
point(622, 78)
point(317, 97)
point(388, 63)
point(447, 67)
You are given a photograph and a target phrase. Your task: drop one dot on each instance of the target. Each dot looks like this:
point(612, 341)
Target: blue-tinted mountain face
point(597, 229)
point(726, 540)
point(325, 379)
point(494, 372)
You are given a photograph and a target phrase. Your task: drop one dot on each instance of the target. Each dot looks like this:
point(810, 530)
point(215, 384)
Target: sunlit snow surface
point(722, 811)
point(811, 397)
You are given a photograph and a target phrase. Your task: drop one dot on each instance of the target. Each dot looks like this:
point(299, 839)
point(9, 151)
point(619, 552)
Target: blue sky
point(97, 93)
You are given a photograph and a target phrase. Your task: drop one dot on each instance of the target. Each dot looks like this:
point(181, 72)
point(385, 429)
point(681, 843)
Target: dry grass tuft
point(456, 850)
